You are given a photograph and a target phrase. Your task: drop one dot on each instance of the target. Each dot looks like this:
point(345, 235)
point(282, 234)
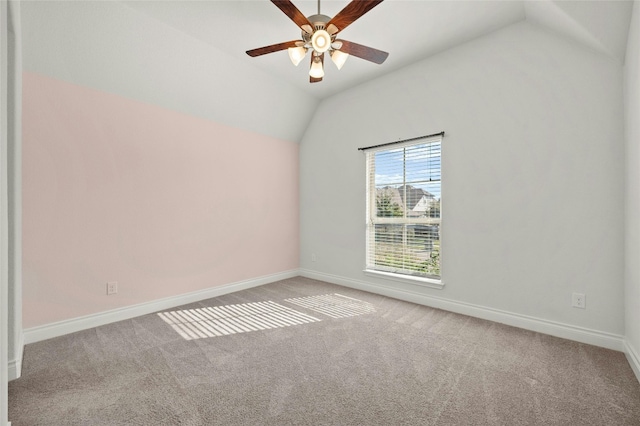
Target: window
point(403, 209)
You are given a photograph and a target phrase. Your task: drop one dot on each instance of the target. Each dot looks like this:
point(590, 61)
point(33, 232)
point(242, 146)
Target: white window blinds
point(403, 208)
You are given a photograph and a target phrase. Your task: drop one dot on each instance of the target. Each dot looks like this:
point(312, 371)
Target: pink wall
point(164, 203)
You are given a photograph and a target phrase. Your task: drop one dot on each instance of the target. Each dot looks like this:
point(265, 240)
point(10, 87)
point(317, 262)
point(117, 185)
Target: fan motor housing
point(319, 20)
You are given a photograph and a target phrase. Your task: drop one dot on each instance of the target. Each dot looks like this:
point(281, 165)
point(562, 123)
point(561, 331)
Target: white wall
point(14, 163)
point(632, 247)
point(4, 257)
point(532, 177)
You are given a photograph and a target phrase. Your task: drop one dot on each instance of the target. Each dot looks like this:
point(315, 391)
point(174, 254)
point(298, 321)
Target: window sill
point(422, 282)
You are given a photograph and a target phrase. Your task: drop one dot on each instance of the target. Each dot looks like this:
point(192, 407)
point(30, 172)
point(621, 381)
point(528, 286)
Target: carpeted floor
point(375, 361)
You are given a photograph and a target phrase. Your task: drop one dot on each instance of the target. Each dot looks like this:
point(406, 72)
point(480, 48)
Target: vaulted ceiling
point(189, 56)
point(408, 30)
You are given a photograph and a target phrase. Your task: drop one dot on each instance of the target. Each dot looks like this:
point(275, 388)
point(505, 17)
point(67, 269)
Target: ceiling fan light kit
point(297, 54)
point(319, 35)
point(316, 70)
point(339, 58)
point(321, 41)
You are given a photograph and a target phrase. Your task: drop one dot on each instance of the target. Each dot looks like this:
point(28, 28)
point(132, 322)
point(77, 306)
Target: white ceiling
point(409, 30)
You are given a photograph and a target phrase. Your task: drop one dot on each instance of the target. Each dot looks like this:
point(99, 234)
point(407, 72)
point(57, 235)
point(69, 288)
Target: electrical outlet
point(313, 257)
point(112, 287)
point(579, 300)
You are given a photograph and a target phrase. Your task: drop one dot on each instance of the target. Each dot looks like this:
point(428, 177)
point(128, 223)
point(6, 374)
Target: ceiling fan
point(319, 35)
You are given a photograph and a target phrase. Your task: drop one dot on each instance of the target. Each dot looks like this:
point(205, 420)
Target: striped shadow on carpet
point(231, 319)
point(334, 305)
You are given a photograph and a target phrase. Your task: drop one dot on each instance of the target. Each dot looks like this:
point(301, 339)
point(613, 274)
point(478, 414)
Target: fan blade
point(363, 52)
point(293, 13)
point(351, 12)
point(313, 79)
point(273, 48)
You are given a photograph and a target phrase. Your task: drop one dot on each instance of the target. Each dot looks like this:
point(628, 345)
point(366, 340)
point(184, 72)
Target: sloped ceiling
point(111, 47)
point(190, 55)
point(600, 25)
point(408, 30)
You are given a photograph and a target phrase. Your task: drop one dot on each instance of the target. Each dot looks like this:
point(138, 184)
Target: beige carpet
point(256, 358)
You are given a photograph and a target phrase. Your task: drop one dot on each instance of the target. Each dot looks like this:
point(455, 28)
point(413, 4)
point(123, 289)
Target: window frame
point(372, 219)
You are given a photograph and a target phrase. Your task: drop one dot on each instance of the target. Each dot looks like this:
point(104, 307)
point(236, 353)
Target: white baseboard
point(566, 331)
point(553, 328)
point(633, 358)
point(48, 331)
point(14, 370)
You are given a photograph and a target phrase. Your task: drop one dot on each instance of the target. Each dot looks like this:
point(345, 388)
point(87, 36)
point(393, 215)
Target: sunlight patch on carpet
point(231, 319)
point(334, 305)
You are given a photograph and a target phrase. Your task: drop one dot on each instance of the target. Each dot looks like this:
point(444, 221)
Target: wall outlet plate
point(112, 287)
point(578, 300)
